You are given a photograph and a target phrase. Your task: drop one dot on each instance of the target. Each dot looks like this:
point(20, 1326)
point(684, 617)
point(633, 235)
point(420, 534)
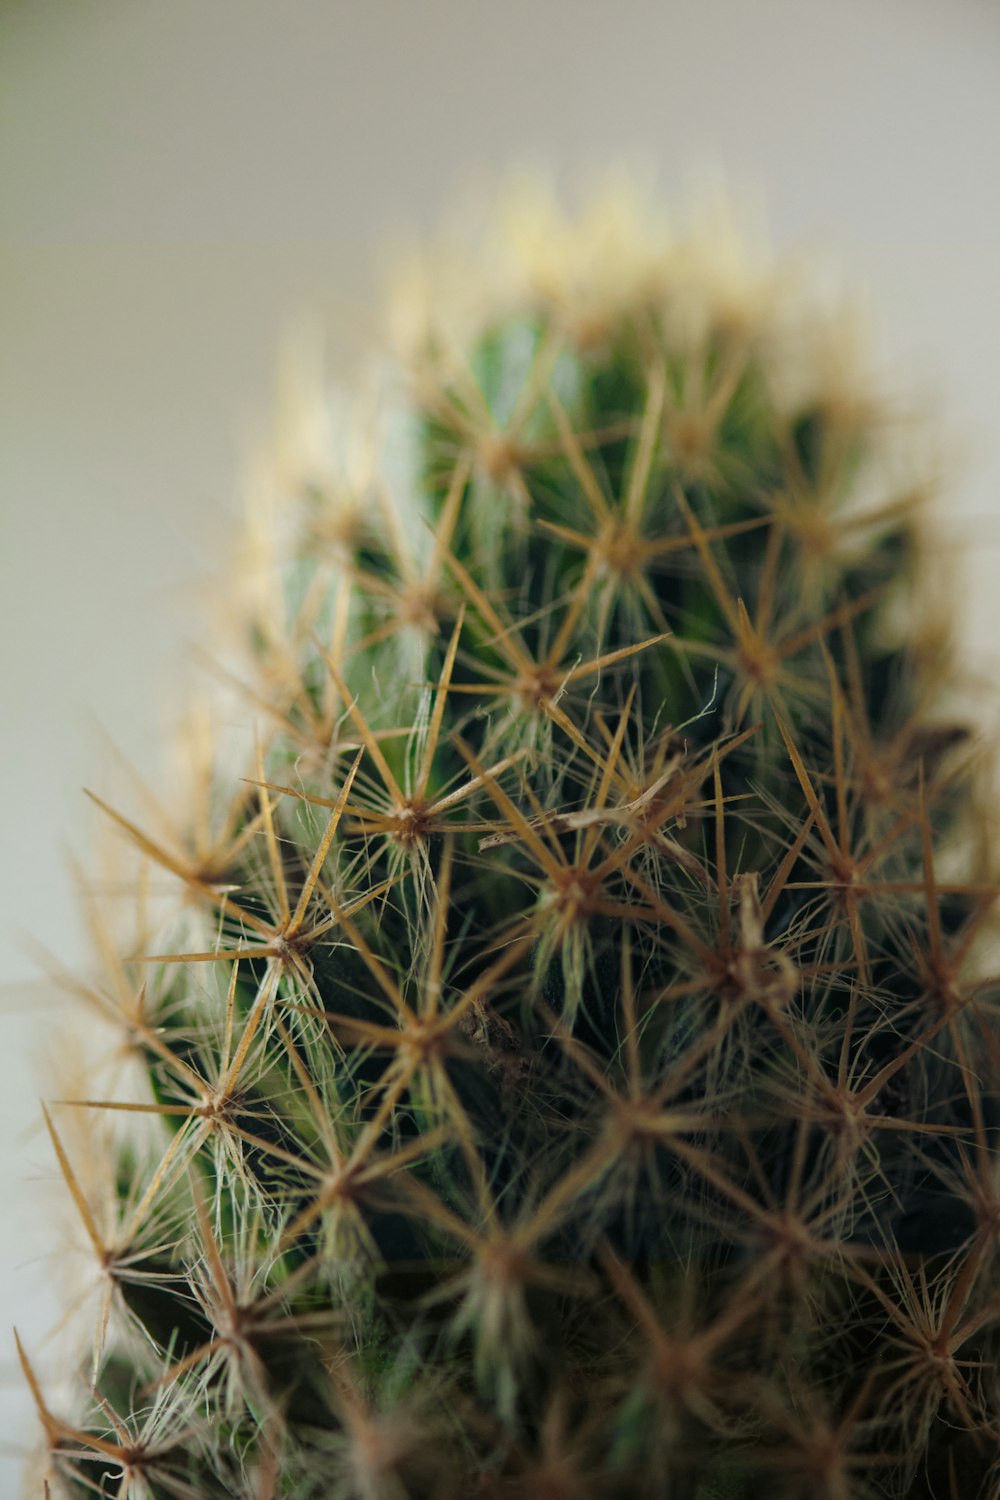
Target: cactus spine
point(567, 1069)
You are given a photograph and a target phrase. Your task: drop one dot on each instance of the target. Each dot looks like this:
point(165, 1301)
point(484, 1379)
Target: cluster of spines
point(567, 1073)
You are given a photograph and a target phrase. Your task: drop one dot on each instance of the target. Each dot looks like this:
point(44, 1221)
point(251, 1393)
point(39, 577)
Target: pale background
point(179, 178)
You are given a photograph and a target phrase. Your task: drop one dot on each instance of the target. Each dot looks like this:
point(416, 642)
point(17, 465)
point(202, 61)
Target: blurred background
point(180, 183)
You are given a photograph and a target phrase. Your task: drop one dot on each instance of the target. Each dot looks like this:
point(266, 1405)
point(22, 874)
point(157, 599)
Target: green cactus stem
point(569, 1067)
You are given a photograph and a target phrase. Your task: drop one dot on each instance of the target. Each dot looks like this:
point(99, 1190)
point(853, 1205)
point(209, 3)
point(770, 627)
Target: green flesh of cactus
point(580, 1082)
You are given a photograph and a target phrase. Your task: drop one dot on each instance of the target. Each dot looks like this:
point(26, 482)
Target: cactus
point(569, 1067)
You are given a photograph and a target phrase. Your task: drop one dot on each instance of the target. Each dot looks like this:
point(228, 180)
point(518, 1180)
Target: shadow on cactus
point(570, 1066)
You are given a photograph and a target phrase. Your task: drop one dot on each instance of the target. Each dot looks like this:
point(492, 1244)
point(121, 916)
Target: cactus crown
point(566, 1071)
